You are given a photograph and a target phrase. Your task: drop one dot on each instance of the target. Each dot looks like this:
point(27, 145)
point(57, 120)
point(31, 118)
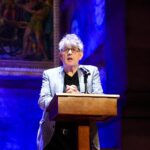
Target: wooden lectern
point(82, 109)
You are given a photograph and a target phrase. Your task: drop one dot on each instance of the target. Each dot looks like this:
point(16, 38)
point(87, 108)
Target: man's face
point(70, 56)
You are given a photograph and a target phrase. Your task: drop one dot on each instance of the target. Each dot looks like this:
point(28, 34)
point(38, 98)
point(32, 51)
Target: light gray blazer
point(53, 82)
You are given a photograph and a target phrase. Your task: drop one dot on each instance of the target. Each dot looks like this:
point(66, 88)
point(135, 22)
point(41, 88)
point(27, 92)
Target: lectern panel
point(83, 106)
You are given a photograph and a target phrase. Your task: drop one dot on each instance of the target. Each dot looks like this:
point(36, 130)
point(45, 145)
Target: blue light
point(89, 23)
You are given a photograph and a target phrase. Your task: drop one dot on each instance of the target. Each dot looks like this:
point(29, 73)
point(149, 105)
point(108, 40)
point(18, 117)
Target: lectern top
point(88, 95)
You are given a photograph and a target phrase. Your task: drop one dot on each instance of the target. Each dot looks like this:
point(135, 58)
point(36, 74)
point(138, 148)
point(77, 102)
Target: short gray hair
point(71, 39)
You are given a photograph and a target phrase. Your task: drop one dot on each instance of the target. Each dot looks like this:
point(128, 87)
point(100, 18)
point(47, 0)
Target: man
point(67, 78)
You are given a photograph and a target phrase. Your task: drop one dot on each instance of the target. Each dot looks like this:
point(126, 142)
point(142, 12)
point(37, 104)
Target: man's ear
point(81, 55)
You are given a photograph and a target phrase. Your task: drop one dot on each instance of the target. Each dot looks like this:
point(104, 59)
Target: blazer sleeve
point(45, 93)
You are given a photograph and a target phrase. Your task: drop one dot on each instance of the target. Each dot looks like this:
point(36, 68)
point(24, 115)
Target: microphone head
point(85, 71)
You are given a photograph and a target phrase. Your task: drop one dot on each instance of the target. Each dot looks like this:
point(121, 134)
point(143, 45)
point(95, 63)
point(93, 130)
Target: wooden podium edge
point(88, 95)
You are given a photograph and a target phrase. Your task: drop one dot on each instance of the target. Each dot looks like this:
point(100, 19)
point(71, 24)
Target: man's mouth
point(69, 58)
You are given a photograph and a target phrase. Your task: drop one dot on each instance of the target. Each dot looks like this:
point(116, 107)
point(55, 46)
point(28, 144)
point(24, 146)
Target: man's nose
point(69, 51)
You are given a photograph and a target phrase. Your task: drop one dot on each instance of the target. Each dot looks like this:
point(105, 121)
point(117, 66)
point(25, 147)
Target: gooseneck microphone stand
point(85, 82)
point(86, 73)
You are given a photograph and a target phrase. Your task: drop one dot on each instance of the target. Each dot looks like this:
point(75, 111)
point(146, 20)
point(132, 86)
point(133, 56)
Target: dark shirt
point(74, 80)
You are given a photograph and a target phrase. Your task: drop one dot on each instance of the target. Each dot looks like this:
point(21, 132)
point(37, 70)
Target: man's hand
point(71, 89)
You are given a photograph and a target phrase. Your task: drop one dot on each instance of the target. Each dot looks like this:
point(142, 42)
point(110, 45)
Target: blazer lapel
point(81, 80)
point(60, 81)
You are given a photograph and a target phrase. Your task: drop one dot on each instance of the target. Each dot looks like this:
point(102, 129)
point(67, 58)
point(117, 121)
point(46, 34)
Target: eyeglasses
point(73, 50)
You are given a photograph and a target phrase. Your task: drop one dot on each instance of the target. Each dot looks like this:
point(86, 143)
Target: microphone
point(85, 71)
